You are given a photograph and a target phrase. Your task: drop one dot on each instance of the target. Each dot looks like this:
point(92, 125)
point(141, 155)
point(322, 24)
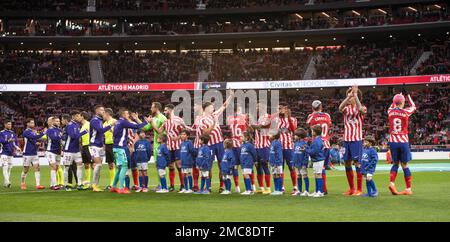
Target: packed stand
point(49, 67)
point(439, 60)
point(256, 65)
point(394, 58)
point(152, 67)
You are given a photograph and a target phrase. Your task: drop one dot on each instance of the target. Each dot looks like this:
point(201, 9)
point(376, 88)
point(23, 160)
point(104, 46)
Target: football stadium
point(224, 111)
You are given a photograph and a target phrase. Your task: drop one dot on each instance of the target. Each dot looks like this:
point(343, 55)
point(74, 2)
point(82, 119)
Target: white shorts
point(6, 160)
point(161, 172)
point(142, 166)
point(186, 170)
point(318, 167)
point(69, 158)
point(276, 170)
point(52, 158)
point(95, 151)
point(247, 171)
point(30, 160)
point(204, 173)
point(369, 175)
point(302, 171)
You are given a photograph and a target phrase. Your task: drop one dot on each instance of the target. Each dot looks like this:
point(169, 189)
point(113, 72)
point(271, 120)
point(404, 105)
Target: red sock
point(359, 180)
point(294, 177)
point(324, 179)
point(181, 176)
point(236, 180)
point(282, 179)
point(172, 176)
point(350, 178)
point(393, 176)
point(260, 180)
point(195, 174)
point(267, 177)
point(252, 178)
point(135, 177)
point(408, 182)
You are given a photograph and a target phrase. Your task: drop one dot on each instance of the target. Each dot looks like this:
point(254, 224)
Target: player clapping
point(30, 157)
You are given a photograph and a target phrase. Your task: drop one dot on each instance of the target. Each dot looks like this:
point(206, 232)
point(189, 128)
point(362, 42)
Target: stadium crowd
point(37, 67)
point(429, 126)
point(193, 25)
point(371, 59)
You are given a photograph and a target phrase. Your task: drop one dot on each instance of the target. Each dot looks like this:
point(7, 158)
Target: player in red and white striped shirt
point(353, 112)
point(286, 124)
point(173, 127)
point(198, 113)
point(399, 141)
point(324, 120)
point(210, 126)
point(237, 123)
point(262, 145)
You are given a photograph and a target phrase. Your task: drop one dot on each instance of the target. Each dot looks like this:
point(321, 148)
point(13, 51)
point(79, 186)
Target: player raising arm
point(398, 140)
point(353, 112)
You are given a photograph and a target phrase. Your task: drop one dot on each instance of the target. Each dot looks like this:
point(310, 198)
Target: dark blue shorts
point(353, 150)
point(237, 155)
point(131, 162)
point(174, 155)
point(262, 154)
point(217, 150)
point(287, 157)
point(400, 152)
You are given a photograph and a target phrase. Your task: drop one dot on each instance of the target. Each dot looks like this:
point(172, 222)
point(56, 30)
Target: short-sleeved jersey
point(215, 135)
point(238, 125)
point(173, 128)
point(198, 131)
point(286, 132)
point(353, 123)
point(398, 122)
point(262, 137)
point(324, 120)
point(85, 138)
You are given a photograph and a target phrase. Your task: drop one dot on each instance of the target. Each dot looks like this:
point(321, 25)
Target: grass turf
point(430, 202)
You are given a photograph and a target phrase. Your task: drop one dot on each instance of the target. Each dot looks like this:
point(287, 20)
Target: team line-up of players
point(250, 145)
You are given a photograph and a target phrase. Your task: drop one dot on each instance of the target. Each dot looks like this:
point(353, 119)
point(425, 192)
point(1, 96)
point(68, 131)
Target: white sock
point(80, 174)
point(23, 177)
point(5, 175)
point(97, 170)
point(37, 176)
point(53, 178)
point(66, 175)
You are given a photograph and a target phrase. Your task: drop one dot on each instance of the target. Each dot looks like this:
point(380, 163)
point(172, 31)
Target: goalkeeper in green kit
point(157, 120)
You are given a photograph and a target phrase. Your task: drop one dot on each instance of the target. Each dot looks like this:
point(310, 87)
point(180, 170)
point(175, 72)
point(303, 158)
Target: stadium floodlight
point(50, 43)
point(412, 9)
point(382, 11)
point(334, 38)
point(306, 40)
point(164, 43)
point(278, 41)
point(107, 43)
point(221, 42)
point(21, 43)
point(390, 36)
point(325, 14)
point(249, 41)
point(419, 35)
point(78, 43)
point(437, 6)
point(358, 14)
point(362, 37)
point(299, 16)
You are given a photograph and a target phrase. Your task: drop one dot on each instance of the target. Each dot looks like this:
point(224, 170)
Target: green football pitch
point(430, 201)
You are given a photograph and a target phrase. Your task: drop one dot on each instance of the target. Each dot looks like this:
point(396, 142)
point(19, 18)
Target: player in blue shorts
point(187, 154)
point(204, 164)
point(300, 159)
point(162, 162)
point(247, 158)
point(276, 163)
point(369, 162)
point(227, 165)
